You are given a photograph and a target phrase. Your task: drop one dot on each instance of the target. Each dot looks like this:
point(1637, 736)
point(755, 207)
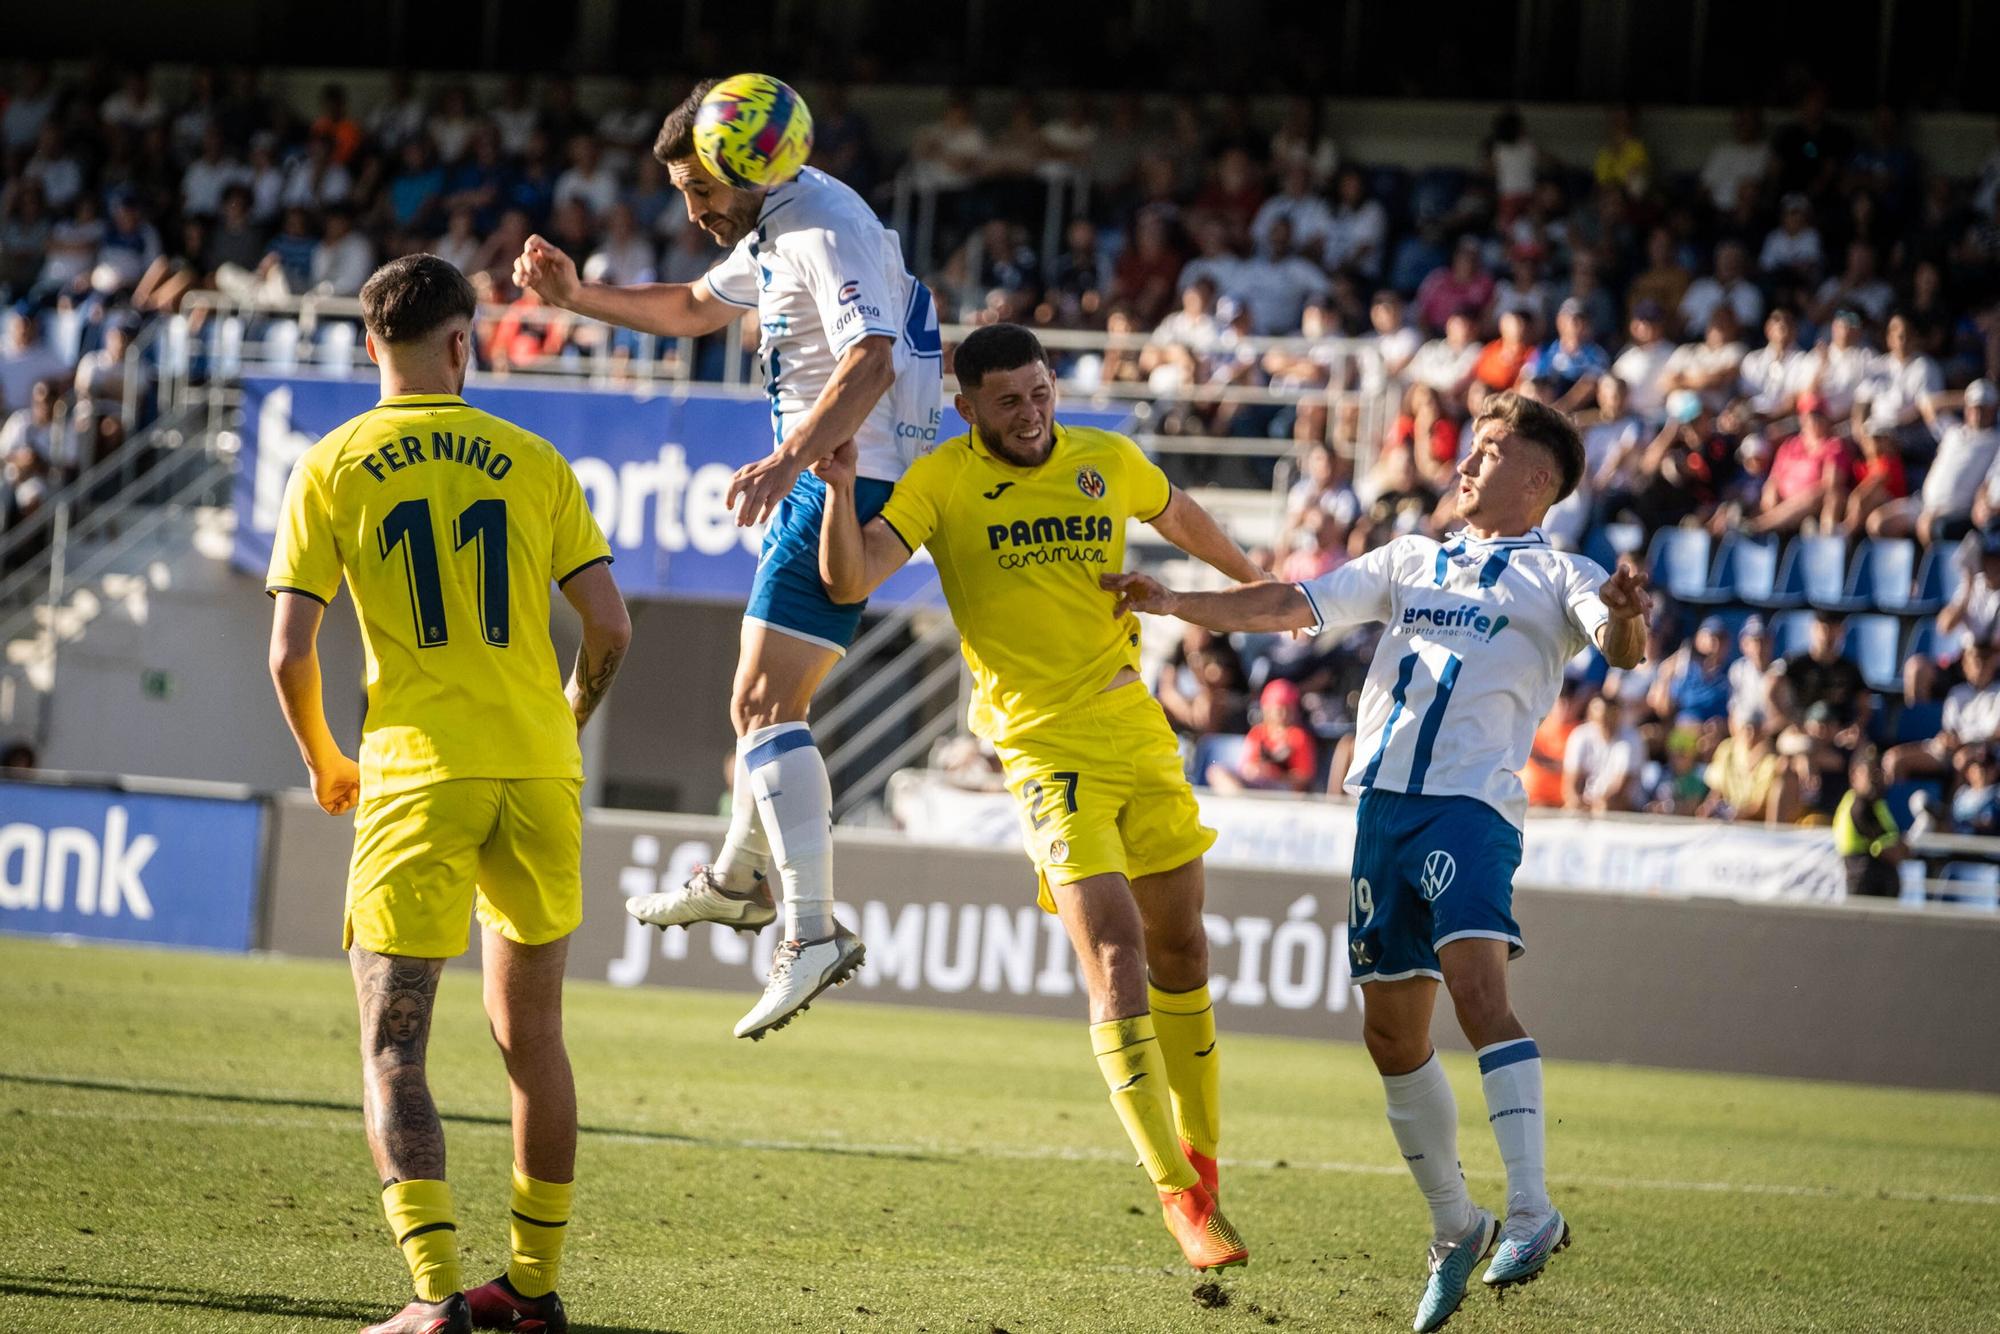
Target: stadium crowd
point(1795, 345)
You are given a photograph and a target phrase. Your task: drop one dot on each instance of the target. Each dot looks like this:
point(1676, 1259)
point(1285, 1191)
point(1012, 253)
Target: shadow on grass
point(135, 1089)
point(61, 1287)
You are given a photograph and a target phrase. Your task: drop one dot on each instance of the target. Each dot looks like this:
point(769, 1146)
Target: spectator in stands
point(398, 117)
point(1643, 364)
point(1791, 255)
point(1317, 545)
point(1428, 431)
point(1463, 287)
point(1676, 787)
point(1865, 835)
point(1767, 379)
point(343, 259)
point(1613, 437)
point(1234, 192)
point(1729, 285)
point(1393, 339)
point(1202, 686)
point(1278, 753)
point(417, 187)
point(1738, 163)
point(1683, 472)
point(1543, 776)
point(1819, 674)
point(1301, 140)
point(1586, 287)
point(33, 426)
point(1501, 361)
point(1082, 273)
point(1855, 287)
point(1693, 687)
point(1601, 761)
point(1810, 475)
point(1879, 480)
point(1446, 364)
point(1747, 780)
point(1144, 278)
point(589, 180)
point(1664, 281)
point(1570, 364)
point(24, 485)
point(1276, 283)
point(130, 242)
point(1359, 227)
point(454, 124)
point(315, 180)
point(459, 245)
point(1710, 367)
point(1623, 161)
point(1899, 381)
point(1975, 801)
point(1523, 290)
point(625, 256)
point(1971, 718)
point(1812, 151)
point(1322, 485)
point(29, 106)
point(55, 171)
point(1513, 162)
point(25, 360)
point(1838, 368)
point(1297, 204)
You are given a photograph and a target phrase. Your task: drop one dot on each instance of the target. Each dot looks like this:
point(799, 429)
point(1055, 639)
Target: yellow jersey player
point(448, 526)
point(1022, 517)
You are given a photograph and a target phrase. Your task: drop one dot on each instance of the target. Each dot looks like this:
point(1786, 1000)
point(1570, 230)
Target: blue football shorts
point(787, 593)
point(1428, 871)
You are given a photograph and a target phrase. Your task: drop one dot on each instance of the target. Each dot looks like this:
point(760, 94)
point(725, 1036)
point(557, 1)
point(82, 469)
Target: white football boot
point(800, 970)
point(703, 899)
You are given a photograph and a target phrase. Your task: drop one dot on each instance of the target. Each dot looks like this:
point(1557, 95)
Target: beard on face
point(1003, 444)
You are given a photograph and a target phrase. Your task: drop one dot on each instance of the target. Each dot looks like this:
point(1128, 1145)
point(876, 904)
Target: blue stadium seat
point(1884, 576)
point(1822, 571)
point(1872, 645)
point(1788, 588)
point(1790, 632)
point(1974, 884)
point(1938, 578)
point(1679, 562)
point(1923, 641)
point(1216, 748)
point(1918, 722)
point(1746, 569)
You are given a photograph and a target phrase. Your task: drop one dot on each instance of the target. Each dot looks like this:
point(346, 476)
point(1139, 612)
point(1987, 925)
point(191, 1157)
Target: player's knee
point(1481, 1000)
point(1394, 1052)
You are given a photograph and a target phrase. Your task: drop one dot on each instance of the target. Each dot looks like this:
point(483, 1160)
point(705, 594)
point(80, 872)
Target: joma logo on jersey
point(1467, 619)
point(1049, 528)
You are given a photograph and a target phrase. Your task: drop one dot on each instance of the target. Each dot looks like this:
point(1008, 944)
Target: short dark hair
point(676, 138)
point(996, 347)
point(410, 298)
point(1546, 426)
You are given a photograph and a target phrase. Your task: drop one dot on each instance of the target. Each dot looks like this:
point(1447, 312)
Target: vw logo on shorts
point(1439, 869)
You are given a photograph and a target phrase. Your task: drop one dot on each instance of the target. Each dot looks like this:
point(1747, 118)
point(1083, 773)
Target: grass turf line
point(181, 1144)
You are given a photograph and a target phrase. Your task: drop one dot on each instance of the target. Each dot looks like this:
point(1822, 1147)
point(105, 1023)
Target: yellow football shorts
point(511, 847)
point(1101, 790)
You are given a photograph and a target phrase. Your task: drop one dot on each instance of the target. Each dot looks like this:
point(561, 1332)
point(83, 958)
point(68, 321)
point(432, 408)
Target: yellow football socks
point(420, 1218)
point(1128, 1055)
point(1185, 1022)
point(540, 1220)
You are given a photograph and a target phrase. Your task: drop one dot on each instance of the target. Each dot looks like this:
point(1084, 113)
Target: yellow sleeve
point(578, 542)
point(1148, 486)
point(916, 507)
point(305, 554)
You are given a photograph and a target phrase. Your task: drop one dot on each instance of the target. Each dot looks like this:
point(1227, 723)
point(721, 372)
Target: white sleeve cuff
point(1319, 617)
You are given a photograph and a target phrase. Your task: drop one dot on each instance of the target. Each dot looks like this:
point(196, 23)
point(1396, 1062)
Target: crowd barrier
point(1854, 992)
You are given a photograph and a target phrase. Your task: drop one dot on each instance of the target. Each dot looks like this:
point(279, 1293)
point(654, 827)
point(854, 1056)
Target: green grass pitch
point(182, 1151)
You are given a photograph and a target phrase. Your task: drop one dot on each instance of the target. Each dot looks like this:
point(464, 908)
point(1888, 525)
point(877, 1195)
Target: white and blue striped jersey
point(1478, 634)
point(822, 273)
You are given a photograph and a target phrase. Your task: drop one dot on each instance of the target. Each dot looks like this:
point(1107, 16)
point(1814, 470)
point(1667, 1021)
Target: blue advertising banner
point(152, 868)
point(655, 466)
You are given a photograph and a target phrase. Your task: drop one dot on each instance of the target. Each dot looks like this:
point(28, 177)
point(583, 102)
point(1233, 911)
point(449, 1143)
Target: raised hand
point(1625, 595)
point(547, 272)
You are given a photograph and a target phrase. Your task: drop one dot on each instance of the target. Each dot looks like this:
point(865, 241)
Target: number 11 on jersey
point(482, 524)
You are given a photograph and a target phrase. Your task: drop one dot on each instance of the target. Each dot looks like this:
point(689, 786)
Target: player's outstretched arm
point(866, 372)
point(1622, 638)
point(671, 310)
point(1259, 606)
point(336, 779)
point(1194, 530)
point(607, 634)
point(853, 560)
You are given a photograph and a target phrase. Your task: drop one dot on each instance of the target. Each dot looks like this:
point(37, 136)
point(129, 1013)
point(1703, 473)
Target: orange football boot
point(1205, 1236)
point(1205, 1168)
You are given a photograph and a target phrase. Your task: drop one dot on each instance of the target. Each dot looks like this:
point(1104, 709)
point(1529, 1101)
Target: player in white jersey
point(1480, 627)
point(851, 351)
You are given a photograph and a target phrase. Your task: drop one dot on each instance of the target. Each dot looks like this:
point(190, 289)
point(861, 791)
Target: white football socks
point(745, 855)
point(1424, 1117)
point(796, 803)
point(1512, 1074)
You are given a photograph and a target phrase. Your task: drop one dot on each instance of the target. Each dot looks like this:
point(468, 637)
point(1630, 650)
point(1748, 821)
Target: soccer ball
point(753, 131)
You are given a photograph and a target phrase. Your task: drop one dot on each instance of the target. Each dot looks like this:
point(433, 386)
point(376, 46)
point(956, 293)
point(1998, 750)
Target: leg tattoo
point(397, 996)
